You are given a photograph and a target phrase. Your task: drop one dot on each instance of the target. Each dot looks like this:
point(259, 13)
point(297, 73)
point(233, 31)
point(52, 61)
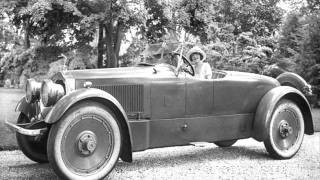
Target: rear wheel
point(35, 148)
point(285, 130)
point(85, 143)
point(227, 143)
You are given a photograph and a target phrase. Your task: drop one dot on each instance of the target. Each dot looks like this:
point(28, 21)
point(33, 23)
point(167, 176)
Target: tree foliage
point(299, 42)
point(258, 17)
point(156, 23)
point(313, 5)
point(73, 23)
point(236, 34)
point(114, 21)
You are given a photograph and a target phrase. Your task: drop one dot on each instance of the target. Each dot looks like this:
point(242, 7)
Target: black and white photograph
point(159, 89)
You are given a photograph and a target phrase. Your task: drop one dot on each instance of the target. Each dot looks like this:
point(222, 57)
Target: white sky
point(291, 5)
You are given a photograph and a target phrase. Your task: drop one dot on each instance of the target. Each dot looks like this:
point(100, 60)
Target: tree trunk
point(100, 46)
point(26, 40)
point(111, 60)
point(117, 43)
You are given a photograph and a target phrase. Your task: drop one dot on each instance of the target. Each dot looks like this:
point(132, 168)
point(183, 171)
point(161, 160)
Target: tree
point(308, 59)
point(9, 9)
point(114, 21)
point(258, 17)
point(52, 21)
point(289, 35)
point(299, 41)
point(313, 5)
point(156, 23)
point(46, 20)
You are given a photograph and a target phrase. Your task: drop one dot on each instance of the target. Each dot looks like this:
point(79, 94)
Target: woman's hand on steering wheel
point(185, 66)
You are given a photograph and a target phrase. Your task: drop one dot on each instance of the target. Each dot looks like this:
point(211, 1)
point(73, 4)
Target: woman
point(196, 57)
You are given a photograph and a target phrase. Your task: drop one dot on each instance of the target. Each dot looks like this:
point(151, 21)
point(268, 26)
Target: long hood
point(108, 73)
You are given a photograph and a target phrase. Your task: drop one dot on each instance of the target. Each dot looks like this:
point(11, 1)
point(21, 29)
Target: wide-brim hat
point(198, 50)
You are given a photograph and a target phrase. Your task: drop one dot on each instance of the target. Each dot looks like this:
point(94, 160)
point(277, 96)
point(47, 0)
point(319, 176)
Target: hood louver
point(130, 96)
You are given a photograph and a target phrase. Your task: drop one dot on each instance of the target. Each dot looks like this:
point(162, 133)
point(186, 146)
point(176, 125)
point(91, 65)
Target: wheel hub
point(285, 129)
point(87, 143)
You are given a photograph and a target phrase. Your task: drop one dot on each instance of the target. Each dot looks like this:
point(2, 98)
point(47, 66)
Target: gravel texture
point(247, 159)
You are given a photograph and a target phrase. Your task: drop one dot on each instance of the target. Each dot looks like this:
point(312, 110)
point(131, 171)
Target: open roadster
point(82, 121)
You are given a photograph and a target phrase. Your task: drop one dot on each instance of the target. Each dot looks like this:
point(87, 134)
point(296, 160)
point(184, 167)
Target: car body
point(152, 106)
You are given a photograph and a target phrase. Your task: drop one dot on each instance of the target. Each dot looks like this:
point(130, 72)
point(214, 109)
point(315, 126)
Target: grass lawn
point(8, 101)
point(10, 97)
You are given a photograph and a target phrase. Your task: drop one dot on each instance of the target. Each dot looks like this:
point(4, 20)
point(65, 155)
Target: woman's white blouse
point(203, 70)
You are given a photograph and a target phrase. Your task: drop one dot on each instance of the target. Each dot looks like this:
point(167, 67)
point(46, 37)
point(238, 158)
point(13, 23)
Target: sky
point(291, 5)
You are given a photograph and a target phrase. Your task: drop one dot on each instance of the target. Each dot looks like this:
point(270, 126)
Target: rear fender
point(268, 104)
point(93, 94)
point(296, 81)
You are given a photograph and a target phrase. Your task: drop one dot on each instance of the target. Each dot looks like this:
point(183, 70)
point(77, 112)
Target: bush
point(247, 53)
point(82, 58)
point(41, 62)
point(20, 64)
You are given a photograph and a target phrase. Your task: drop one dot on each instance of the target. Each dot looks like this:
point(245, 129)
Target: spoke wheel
point(285, 130)
point(85, 143)
point(227, 143)
point(35, 148)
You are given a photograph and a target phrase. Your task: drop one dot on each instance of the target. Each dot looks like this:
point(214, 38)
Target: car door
point(167, 95)
point(199, 96)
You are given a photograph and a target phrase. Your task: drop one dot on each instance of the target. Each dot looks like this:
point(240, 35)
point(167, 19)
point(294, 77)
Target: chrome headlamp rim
point(44, 91)
point(32, 90)
point(51, 92)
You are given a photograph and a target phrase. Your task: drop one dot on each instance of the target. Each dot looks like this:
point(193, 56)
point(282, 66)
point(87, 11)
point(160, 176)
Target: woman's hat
point(197, 50)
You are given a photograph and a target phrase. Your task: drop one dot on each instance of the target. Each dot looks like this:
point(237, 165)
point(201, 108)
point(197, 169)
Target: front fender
point(28, 109)
point(69, 100)
point(268, 104)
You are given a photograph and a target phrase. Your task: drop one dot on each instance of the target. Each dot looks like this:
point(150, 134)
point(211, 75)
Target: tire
point(285, 130)
point(34, 149)
point(85, 143)
point(227, 143)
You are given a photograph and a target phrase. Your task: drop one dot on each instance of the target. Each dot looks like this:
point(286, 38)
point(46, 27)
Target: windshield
point(166, 55)
point(170, 59)
point(160, 54)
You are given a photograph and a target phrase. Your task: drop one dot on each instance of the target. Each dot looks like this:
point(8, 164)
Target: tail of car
point(267, 106)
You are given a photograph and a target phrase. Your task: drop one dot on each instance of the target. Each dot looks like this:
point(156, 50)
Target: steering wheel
point(186, 67)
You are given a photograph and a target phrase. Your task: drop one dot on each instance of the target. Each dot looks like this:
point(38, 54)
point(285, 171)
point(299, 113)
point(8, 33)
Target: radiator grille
point(130, 96)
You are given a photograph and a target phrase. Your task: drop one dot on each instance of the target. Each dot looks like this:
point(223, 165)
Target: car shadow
point(31, 170)
point(31, 166)
point(197, 156)
point(154, 158)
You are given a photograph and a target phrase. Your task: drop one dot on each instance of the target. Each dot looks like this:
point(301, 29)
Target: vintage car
point(82, 121)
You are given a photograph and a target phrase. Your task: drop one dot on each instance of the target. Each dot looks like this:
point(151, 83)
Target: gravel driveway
point(247, 159)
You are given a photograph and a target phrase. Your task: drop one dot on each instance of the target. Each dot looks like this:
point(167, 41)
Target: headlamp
point(51, 92)
point(32, 90)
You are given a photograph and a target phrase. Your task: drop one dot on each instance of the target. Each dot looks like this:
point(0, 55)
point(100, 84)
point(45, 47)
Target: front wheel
point(85, 143)
point(285, 130)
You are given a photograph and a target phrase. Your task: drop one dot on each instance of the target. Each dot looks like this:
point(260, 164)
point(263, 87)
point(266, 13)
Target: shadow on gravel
point(31, 166)
point(197, 155)
point(32, 171)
